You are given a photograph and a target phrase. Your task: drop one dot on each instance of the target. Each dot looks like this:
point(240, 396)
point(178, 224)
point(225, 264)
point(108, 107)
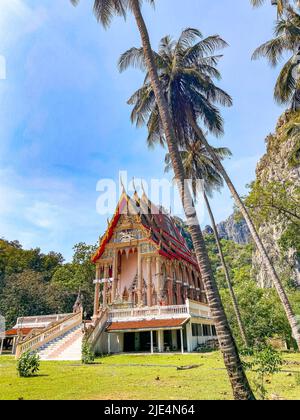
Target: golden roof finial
point(122, 185)
point(133, 184)
point(143, 188)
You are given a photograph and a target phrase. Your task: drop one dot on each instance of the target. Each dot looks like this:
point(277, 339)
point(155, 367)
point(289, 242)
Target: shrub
point(28, 364)
point(266, 361)
point(87, 354)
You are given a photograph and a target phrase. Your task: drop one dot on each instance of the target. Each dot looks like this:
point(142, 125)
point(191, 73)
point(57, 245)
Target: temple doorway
point(139, 342)
point(129, 342)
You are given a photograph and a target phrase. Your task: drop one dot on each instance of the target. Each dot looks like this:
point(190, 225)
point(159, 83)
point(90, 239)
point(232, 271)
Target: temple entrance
point(139, 342)
point(129, 342)
point(168, 341)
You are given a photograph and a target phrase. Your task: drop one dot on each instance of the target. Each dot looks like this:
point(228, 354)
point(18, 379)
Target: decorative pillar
point(181, 340)
point(191, 289)
point(149, 282)
point(97, 292)
point(178, 283)
point(105, 287)
point(159, 280)
point(160, 335)
point(189, 337)
point(151, 339)
point(115, 276)
point(170, 288)
point(140, 278)
point(178, 291)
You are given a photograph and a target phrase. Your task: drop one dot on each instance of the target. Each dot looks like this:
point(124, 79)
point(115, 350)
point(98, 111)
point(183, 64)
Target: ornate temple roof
point(162, 228)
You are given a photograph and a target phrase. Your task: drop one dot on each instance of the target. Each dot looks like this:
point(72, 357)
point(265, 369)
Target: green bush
point(266, 362)
point(28, 364)
point(87, 354)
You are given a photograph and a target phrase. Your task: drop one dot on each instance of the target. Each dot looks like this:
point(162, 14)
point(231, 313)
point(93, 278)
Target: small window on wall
point(213, 331)
point(196, 329)
point(206, 331)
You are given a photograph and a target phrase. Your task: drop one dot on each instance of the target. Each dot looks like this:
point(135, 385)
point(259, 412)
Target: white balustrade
point(161, 312)
point(49, 334)
point(98, 328)
point(149, 312)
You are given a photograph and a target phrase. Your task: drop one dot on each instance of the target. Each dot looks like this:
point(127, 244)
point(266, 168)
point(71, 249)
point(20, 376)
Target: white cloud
point(46, 212)
point(17, 19)
point(43, 215)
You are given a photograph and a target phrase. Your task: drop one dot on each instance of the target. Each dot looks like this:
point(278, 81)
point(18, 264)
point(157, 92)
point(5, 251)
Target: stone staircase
point(65, 348)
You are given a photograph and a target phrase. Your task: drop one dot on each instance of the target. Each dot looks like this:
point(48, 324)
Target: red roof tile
point(146, 325)
point(13, 332)
point(164, 231)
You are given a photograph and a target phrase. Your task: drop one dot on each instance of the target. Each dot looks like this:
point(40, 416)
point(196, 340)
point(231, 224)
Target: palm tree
point(186, 80)
point(287, 40)
point(104, 10)
point(199, 166)
point(280, 4)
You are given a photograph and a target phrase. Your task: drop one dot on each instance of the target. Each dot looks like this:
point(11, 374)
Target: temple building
point(149, 295)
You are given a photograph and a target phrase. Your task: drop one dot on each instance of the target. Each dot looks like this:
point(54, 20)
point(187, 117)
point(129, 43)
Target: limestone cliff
point(232, 230)
point(280, 165)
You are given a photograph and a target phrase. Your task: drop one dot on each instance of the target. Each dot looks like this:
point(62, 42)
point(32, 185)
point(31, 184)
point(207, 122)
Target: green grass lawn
point(136, 377)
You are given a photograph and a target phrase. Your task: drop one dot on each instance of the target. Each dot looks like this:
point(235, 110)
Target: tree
point(24, 294)
point(180, 68)
point(281, 5)
point(104, 10)
point(286, 41)
point(77, 275)
point(199, 166)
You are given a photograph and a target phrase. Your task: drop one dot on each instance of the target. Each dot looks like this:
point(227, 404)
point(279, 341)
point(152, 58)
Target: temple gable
point(143, 260)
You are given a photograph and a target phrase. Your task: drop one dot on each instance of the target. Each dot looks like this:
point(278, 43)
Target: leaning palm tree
point(200, 169)
point(286, 41)
point(105, 10)
point(185, 78)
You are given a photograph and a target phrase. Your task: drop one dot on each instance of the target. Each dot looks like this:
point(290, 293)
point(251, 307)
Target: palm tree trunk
point(227, 275)
point(295, 326)
point(238, 379)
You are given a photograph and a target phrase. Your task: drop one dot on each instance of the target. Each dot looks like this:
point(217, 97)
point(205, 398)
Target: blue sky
point(64, 122)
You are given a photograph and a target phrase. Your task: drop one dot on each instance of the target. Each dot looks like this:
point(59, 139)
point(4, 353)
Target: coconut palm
point(104, 10)
point(281, 5)
point(287, 40)
point(182, 78)
point(199, 166)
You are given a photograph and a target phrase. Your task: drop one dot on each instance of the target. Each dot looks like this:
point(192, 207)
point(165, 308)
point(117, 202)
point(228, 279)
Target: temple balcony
point(191, 309)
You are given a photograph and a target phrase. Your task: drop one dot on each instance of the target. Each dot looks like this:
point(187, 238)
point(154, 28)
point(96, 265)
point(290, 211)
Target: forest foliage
point(33, 283)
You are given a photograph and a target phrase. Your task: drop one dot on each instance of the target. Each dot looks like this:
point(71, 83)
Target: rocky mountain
point(277, 189)
point(232, 230)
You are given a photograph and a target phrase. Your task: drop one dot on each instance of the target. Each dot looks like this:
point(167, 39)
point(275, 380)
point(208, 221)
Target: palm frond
point(286, 83)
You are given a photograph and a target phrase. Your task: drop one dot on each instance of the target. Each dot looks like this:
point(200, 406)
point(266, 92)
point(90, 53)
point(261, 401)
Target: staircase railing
point(49, 334)
point(93, 335)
